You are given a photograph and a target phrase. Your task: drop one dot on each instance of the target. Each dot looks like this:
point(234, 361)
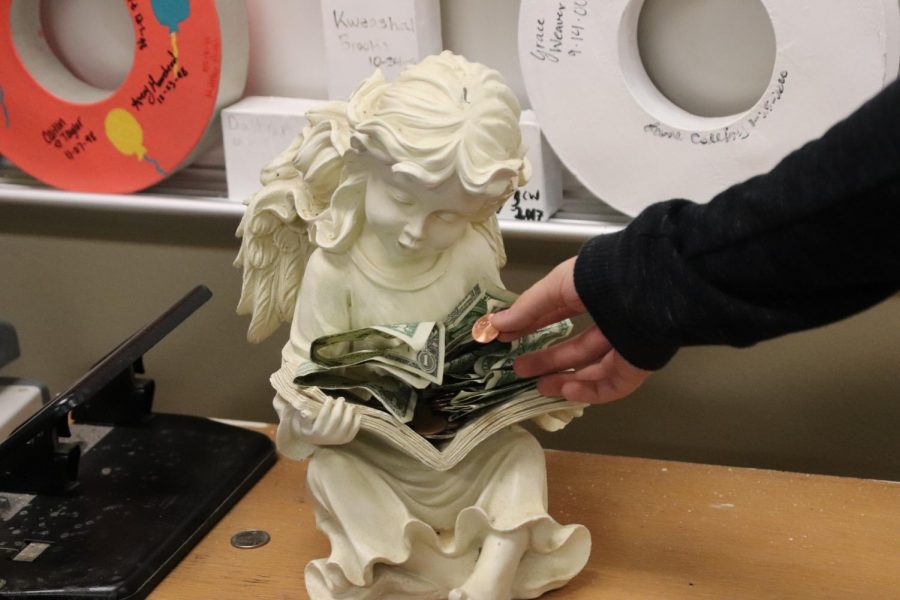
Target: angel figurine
point(383, 210)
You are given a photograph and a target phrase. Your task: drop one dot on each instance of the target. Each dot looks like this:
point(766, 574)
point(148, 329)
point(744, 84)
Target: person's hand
point(337, 423)
point(585, 368)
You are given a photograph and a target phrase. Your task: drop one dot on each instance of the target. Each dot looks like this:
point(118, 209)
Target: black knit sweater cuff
point(602, 283)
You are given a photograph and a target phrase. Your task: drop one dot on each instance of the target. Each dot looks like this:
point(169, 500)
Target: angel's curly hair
point(445, 116)
point(441, 118)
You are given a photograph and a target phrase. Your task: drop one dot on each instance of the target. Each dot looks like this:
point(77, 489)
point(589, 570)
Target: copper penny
point(483, 331)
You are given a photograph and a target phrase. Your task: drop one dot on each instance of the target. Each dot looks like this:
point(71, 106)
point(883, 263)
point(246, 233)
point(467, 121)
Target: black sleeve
point(813, 241)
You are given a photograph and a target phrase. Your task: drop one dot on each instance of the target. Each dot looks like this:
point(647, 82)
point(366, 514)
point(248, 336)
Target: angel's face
point(412, 221)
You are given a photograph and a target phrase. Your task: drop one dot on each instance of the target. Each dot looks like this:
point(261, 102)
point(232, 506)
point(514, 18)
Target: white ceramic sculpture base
point(401, 530)
point(383, 211)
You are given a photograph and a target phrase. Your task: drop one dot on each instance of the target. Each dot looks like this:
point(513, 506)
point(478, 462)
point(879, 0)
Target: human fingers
point(621, 373)
point(554, 292)
point(555, 316)
point(593, 392)
point(585, 348)
point(551, 385)
point(613, 378)
point(610, 379)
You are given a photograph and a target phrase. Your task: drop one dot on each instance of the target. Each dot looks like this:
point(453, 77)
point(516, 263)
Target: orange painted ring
point(146, 129)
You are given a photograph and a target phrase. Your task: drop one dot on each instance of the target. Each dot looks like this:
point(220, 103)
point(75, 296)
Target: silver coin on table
point(252, 538)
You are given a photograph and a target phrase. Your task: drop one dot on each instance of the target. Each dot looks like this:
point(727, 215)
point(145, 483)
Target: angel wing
point(275, 231)
point(275, 246)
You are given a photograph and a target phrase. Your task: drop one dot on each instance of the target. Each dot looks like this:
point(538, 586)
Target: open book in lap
point(428, 388)
point(440, 456)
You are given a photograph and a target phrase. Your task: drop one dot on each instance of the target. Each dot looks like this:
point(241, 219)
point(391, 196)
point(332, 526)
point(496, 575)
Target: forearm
point(810, 242)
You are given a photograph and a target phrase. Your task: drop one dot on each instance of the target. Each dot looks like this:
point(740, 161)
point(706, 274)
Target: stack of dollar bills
point(432, 376)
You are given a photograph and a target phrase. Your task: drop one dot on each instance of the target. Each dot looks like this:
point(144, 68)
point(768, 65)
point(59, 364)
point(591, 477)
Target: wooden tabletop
point(661, 530)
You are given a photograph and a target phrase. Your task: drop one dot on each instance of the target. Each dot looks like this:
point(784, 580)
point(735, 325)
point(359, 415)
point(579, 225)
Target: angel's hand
point(336, 423)
point(557, 419)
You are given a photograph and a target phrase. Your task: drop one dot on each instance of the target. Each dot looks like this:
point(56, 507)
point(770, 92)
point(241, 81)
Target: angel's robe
point(378, 505)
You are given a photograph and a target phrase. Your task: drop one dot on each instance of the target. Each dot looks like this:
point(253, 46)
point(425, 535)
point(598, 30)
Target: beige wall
point(75, 283)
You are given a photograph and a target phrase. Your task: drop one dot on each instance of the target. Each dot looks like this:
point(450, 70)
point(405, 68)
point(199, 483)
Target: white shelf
point(20, 195)
point(200, 193)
